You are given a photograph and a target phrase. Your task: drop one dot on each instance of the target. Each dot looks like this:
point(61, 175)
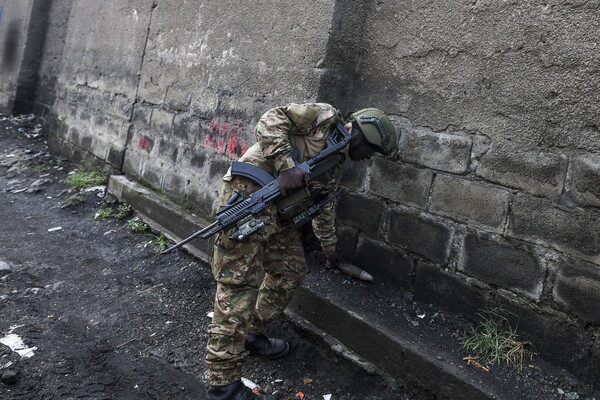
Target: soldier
point(257, 276)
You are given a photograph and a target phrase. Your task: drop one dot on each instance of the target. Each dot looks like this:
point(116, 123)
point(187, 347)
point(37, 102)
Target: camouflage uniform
point(257, 277)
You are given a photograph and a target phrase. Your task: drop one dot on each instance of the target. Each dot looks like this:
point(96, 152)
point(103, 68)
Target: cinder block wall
point(494, 196)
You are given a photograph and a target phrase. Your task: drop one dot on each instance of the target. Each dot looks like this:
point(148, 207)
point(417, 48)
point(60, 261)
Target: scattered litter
point(299, 395)
point(346, 282)
point(16, 344)
point(58, 228)
point(421, 315)
point(251, 385)
point(471, 361)
point(308, 380)
point(109, 232)
point(100, 189)
point(326, 397)
point(210, 314)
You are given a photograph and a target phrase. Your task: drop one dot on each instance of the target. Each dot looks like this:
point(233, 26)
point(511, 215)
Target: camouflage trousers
point(255, 281)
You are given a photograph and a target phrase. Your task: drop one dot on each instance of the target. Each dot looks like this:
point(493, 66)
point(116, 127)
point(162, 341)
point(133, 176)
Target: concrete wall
point(493, 197)
point(14, 23)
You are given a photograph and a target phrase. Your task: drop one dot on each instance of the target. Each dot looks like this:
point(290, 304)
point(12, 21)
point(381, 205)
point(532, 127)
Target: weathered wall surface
point(14, 22)
point(493, 197)
point(495, 194)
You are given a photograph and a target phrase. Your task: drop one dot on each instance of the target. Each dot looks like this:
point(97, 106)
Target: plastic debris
point(326, 397)
point(58, 228)
point(16, 344)
point(299, 395)
point(210, 314)
point(251, 385)
point(308, 380)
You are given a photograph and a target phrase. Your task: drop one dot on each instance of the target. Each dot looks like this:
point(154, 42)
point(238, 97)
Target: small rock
point(9, 377)
point(5, 268)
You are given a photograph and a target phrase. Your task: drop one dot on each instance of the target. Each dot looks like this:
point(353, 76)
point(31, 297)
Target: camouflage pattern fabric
point(255, 281)
point(257, 277)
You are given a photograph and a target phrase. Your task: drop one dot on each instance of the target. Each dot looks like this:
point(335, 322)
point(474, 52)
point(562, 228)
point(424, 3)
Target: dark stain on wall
point(11, 44)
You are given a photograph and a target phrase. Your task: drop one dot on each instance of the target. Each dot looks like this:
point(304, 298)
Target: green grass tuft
point(83, 178)
point(494, 341)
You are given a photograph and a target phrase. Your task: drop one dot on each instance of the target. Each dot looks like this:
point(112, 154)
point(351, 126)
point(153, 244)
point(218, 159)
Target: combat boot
point(236, 391)
point(260, 345)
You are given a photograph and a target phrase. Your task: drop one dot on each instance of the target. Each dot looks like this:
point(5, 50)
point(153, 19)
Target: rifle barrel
point(193, 236)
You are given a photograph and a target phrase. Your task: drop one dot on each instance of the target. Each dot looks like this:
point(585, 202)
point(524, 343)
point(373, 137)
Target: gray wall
point(494, 195)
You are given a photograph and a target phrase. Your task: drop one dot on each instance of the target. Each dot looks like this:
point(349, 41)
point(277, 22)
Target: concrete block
point(168, 151)
point(354, 174)
point(198, 160)
point(577, 289)
point(400, 182)
point(360, 212)
point(142, 115)
point(502, 264)
point(470, 202)
point(575, 232)
point(186, 128)
point(449, 291)
point(586, 180)
point(162, 121)
point(536, 172)
point(441, 151)
point(347, 241)
point(151, 176)
point(419, 234)
point(384, 264)
point(115, 156)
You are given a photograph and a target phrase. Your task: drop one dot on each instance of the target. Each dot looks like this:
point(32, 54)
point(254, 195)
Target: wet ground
point(96, 313)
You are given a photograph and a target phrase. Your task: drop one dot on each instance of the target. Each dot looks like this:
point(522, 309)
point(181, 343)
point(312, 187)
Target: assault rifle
point(242, 211)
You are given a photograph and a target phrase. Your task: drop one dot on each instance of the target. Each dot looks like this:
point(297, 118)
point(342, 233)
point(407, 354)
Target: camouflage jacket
point(305, 127)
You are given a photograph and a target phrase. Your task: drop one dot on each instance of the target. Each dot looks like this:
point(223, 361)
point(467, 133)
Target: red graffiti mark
point(225, 138)
point(143, 143)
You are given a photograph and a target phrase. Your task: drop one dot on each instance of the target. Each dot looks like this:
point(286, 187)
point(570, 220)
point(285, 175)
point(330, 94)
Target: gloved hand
point(291, 180)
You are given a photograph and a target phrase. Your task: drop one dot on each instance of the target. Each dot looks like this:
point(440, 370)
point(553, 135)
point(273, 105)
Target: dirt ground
point(102, 315)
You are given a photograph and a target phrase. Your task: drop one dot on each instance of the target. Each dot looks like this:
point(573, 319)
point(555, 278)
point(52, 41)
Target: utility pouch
point(290, 206)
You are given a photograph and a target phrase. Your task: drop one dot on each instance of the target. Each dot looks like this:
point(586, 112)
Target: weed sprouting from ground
point(123, 211)
point(160, 243)
point(83, 178)
point(104, 213)
point(137, 225)
point(494, 341)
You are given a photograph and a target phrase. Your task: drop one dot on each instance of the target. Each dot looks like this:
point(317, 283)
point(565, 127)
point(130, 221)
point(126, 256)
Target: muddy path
point(102, 315)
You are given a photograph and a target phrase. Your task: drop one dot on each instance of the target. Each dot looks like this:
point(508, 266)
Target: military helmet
point(377, 129)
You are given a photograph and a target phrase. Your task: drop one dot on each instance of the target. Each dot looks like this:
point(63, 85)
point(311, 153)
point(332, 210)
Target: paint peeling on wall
point(224, 137)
